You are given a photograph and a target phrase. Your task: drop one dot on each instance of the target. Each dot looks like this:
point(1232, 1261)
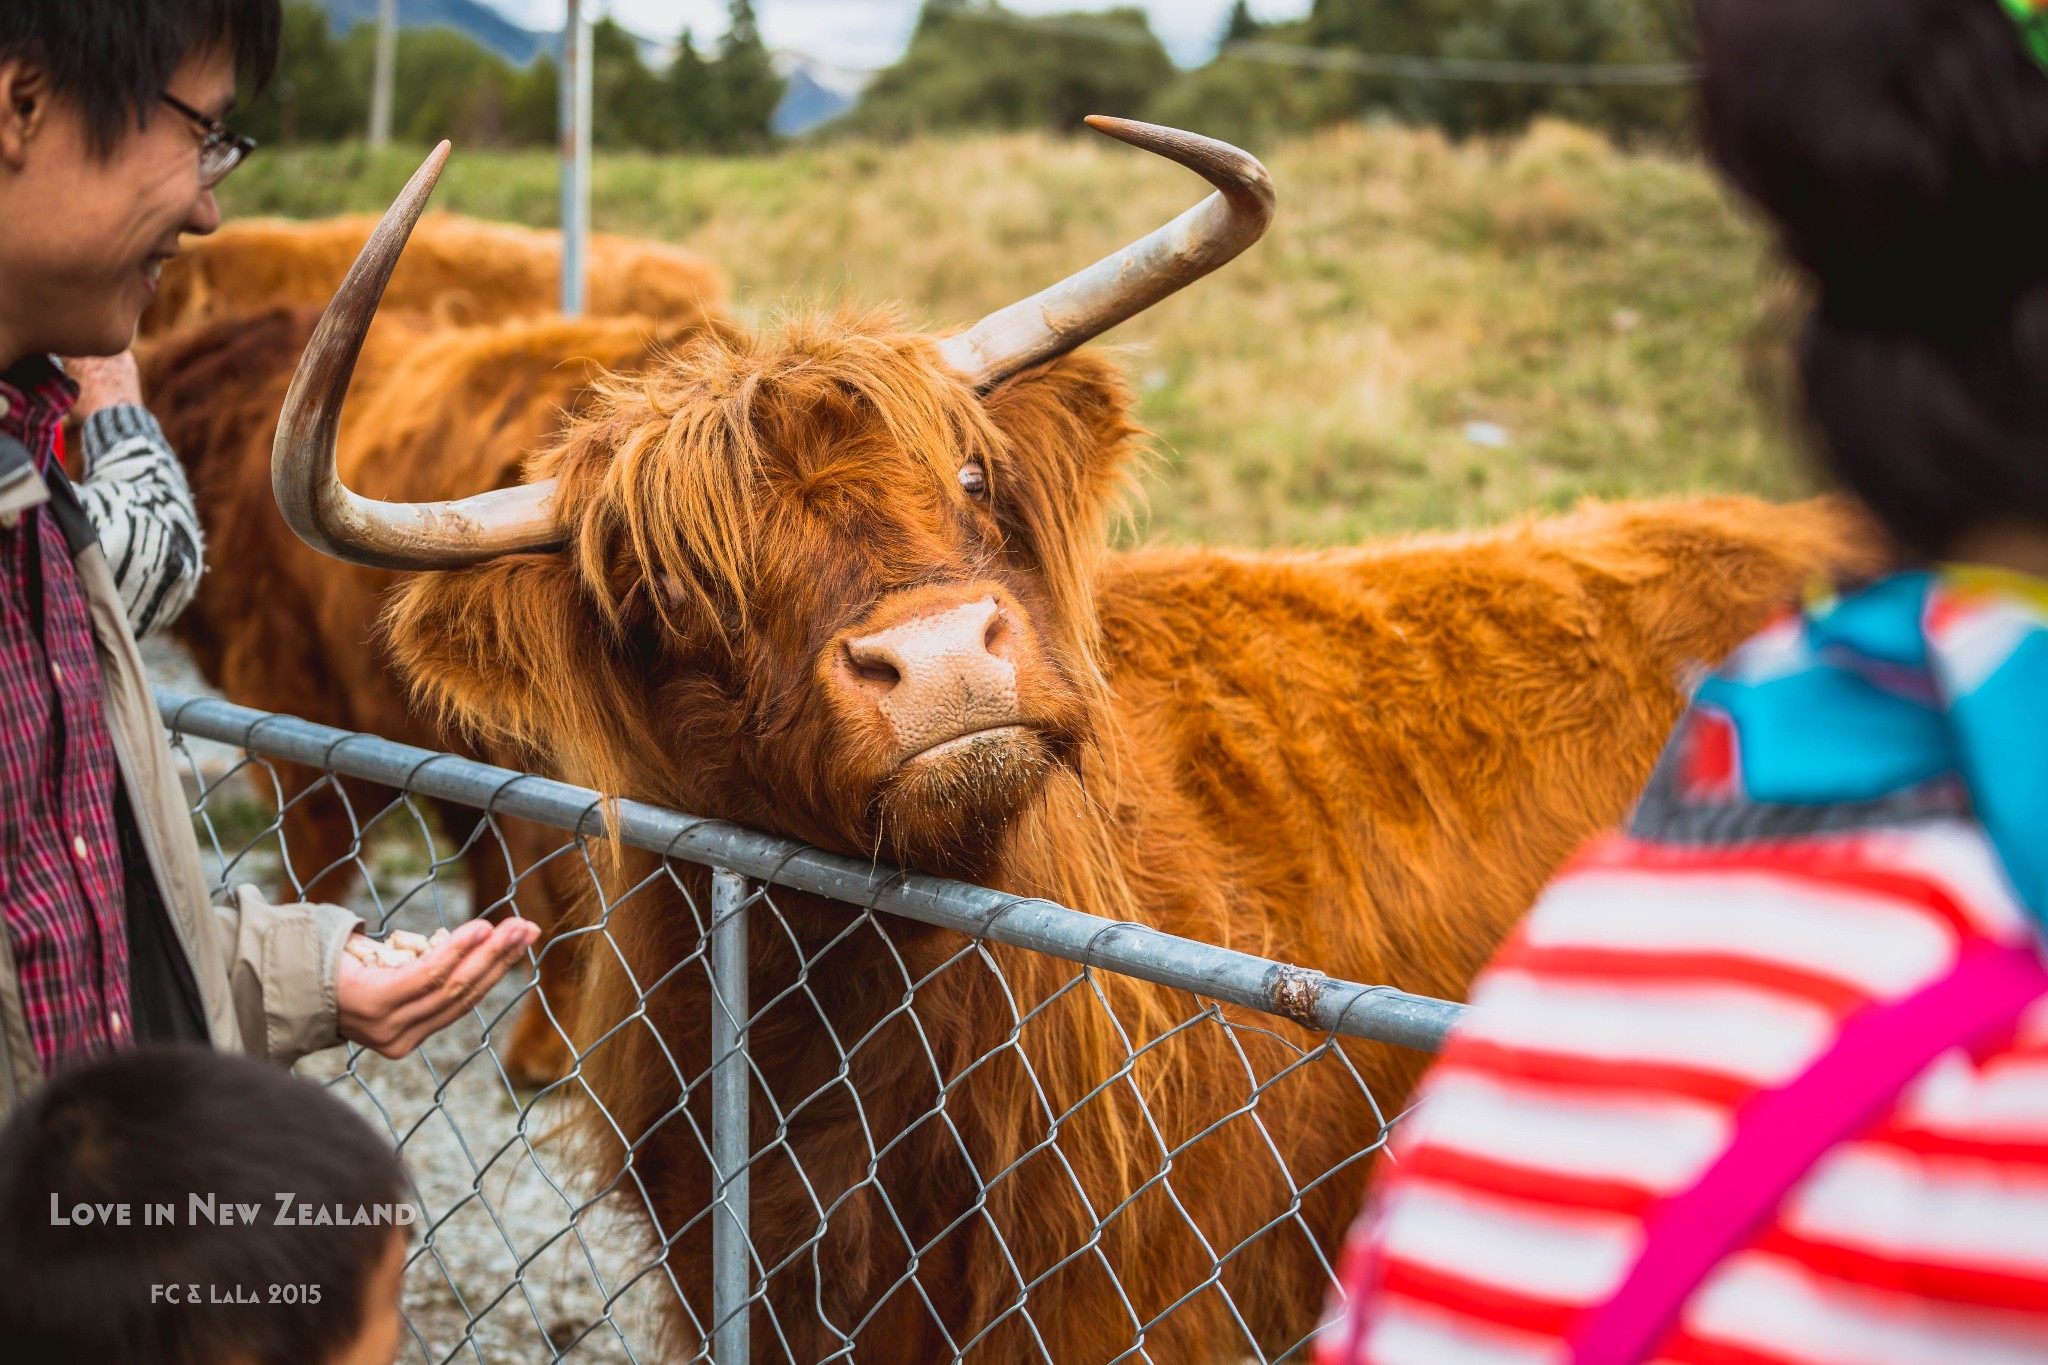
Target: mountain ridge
point(817, 92)
point(471, 18)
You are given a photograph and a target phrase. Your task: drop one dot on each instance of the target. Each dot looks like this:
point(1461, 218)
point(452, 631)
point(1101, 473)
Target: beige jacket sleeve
point(282, 962)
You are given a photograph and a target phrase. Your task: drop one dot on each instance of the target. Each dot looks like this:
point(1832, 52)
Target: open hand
point(393, 995)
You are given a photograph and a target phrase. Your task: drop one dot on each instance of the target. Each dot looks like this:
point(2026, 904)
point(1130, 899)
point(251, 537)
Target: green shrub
point(984, 67)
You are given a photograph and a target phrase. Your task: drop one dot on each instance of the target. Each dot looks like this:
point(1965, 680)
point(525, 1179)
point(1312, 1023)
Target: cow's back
point(457, 271)
point(1370, 760)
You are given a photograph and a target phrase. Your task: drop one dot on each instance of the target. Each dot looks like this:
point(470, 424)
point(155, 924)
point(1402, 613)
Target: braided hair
point(1900, 147)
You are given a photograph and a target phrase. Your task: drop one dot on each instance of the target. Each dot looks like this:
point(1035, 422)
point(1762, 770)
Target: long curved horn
point(1085, 305)
point(314, 501)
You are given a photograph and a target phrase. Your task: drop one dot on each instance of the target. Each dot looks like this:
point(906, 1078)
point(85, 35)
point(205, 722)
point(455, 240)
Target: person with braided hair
point(1763, 1079)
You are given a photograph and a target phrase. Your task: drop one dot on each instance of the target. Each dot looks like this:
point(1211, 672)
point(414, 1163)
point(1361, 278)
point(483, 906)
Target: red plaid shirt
point(60, 866)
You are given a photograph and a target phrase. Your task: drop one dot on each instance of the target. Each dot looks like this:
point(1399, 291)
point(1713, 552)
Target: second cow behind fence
point(277, 625)
point(468, 370)
point(852, 584)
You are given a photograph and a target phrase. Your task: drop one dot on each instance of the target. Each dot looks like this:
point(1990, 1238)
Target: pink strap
point(1780, 1134)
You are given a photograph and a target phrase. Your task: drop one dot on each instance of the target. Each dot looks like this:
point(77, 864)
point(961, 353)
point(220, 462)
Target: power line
point(1466, 68)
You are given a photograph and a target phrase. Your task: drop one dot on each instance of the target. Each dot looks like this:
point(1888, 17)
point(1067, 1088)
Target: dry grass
point(1609, 310)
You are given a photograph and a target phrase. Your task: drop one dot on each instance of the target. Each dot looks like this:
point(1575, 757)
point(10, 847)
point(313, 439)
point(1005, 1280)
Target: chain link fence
point(812, 1108)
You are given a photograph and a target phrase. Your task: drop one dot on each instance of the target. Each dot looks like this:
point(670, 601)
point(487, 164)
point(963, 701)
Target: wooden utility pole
point(384, 74)
point(575, 155)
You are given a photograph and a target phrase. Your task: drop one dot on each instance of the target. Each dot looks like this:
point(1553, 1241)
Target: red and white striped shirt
point(1653, 990)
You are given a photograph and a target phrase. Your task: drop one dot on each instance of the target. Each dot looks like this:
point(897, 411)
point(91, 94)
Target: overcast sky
point(870, 33)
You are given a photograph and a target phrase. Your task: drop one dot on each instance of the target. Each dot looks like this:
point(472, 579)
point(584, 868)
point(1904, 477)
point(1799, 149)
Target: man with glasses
point(134, 489)
point(111, 141)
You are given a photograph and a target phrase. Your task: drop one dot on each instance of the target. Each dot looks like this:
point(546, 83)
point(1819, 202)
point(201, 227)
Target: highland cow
point(852, 583)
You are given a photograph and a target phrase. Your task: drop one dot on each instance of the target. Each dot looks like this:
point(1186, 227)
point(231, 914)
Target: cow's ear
point(515, 653)
point(1070, 442)
point(1072, 417)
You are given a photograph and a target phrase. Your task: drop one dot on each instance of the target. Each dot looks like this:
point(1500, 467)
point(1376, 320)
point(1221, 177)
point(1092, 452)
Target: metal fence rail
point(770, 1207)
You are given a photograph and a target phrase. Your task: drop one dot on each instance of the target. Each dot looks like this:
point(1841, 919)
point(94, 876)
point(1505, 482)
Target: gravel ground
point(506, 1270)
point(504, 1267)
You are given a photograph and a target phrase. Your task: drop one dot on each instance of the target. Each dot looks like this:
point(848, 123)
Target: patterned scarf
point(1922, 681)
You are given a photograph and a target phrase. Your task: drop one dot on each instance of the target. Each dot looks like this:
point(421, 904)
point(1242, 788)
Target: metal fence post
point(732, 1252)
point(383, 74)
point(574, 139)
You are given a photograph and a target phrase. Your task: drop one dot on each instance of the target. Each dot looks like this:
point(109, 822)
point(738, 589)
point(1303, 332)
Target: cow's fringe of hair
point(667, 473)
point(682, 492)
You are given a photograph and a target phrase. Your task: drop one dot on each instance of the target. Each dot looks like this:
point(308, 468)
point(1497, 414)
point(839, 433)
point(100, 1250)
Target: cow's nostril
point(998, 624)
point(870, 666)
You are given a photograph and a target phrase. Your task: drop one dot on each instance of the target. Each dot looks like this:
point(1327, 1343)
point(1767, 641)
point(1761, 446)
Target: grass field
point(1612, 312)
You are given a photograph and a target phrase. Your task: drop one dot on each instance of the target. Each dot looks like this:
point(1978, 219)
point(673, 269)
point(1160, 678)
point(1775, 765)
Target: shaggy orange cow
point(459, 271)
point(851, 583)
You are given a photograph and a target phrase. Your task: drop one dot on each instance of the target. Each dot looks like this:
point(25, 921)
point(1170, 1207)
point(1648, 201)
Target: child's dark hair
point(159, 1126)
point(1901, 146)
point(114, 57)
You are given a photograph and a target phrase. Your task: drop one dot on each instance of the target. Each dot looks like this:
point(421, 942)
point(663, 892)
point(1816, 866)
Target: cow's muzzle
point(940, 676)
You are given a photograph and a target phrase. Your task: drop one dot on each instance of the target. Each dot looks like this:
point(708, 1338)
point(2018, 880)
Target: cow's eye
point(974, 479)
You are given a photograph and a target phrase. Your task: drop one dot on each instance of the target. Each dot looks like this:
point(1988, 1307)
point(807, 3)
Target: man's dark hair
point(158, 1126)
point(114, 57)
point(1901, 147)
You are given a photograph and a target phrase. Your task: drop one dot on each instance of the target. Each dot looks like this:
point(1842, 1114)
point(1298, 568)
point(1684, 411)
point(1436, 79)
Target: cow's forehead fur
point(837, 436)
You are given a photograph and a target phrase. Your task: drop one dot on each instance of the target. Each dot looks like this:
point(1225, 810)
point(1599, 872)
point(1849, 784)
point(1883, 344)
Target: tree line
point(449, 85)
point(977, 65)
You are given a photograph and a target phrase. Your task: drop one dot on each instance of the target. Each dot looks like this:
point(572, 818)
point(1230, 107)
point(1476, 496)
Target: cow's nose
point(939, 675)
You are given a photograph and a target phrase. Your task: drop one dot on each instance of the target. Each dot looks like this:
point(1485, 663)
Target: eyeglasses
point(223, 148)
